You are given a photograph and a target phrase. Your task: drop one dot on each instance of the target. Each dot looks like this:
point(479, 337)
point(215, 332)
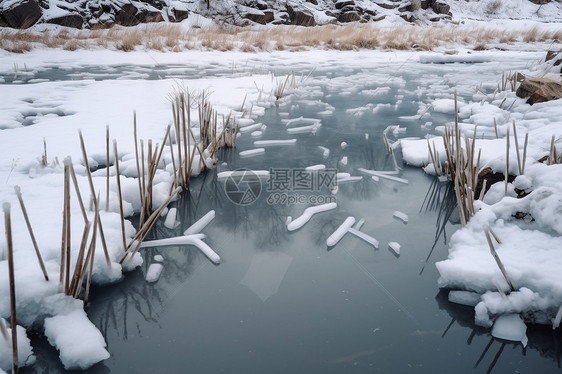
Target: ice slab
point(361, 235)
point(153, 272)
point(252, 152)
point(200, 224)
point(401, 216)
point(307, 215)
point(510, 327)
point(340, 231)
point(272, 143)
point(395, 247)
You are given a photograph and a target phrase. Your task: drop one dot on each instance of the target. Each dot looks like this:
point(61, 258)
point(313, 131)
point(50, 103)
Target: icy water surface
point(284, 302)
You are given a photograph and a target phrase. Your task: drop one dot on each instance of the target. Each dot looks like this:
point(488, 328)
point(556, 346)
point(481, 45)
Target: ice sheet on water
point(266, 272)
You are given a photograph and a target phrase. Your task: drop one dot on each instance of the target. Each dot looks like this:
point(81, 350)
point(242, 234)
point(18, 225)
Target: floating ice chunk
point(340, 231)
point(344, 160)
point(170, 221)
point(132, 261)
point(384, 175)
point(349, 179)
point(300, 121)
point(158, 258)
point(307, 215)
point(176, 240)
point(401, 216)
point(256, 134)
point(242, 173)
point(252, 152)
point(25, 352)
point(326, 113)
point(426, 125)
point(359, 224)
point(464, 297)
point(288, 220)
point(244, 122)
point(267, 143)
point(153, 272)
point(375, 178)
point(378, 172)
point(443, 179)
point(299, 130)
point(366, 136)
point(344, 145)
point(395, 247)
point(79, 342)
point(342, 175)
point(557, 319)
point(361, 235)
point(201, 223)
point(325, 151)
point(316, 167)
point(257, 126)
point(510, 327)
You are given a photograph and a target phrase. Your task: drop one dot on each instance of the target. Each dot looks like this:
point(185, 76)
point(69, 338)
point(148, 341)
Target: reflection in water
point(542, 339)
point(440, 198)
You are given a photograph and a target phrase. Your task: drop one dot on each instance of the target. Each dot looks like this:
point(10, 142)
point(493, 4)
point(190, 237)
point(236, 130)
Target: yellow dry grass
point(173, 37)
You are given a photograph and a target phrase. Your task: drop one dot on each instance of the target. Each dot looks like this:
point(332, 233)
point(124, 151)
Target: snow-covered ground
point(528, 247)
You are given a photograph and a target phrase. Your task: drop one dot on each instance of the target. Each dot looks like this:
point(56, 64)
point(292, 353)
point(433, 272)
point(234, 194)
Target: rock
point(349, 17)
point(74, 20)
point(491, 178)
point(178, 15)
point(150, 16)
point(539, 90)
point(426, 4)
point(23, 14)
point(343, 3)
point(127, 15)
point(301, 16)
point(3, 22)
point(386, 5)
point(312, 2)
point(441, 8)
point(259, 16)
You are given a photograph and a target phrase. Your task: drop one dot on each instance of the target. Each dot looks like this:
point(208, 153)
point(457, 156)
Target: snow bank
point(25, 352)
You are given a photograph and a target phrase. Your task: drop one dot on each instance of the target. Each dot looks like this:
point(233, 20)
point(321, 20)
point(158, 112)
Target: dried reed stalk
point(4, 331)
point(506, 160)
point(118, 177)
point(25, 216)
point(76, 280)
point(143, 232)
point(76, 188)
point(67, 229)
point(107, 168)
point(8, 226)
point(93, 195)
point(91, 254)
point(498, 261)
point(519, 164)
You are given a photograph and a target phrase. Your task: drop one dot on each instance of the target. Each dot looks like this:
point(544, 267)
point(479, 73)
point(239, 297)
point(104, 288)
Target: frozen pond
point(284, 302)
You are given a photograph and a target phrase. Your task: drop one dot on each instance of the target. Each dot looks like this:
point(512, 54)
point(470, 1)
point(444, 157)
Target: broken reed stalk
point(107, 168)
point(496, 128)
point(76, 280)
point(25, 216)
point(525, 152)
point(552, 152)
point(76, 188)
point(519, 164)
point(64, 227)
point(498, 261)
point(119, 196)
point(91, 253)
point(386, 143)
point(8, 226)
point(44, 160)
point(506, 160)
point(143, 232)
point(93, 195)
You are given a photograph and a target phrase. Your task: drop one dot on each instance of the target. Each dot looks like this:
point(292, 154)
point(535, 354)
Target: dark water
point(283, 302)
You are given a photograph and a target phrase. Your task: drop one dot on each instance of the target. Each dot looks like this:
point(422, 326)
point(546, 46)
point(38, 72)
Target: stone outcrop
point(539, 90)
point(105, 13)
point(22, 15)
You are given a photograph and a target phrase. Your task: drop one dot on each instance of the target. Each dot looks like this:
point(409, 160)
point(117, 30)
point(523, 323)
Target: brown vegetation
point(171, 37)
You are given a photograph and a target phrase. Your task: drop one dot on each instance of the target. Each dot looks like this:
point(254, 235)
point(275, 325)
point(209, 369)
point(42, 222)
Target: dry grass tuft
point(171, 37)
